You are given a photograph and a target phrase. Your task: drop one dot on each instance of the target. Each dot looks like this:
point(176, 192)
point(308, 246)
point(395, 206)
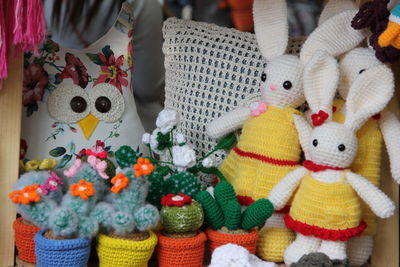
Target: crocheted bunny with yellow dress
point(380, 127)
point(269, 148)
point(326, 209)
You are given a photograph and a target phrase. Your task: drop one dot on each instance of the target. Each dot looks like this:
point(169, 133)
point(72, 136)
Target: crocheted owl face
point(333, 144)
point(352, 64)
point(74, 97)
point(281, 82)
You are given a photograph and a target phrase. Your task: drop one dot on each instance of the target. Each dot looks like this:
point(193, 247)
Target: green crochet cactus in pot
point(223, 209)
point(180, 214)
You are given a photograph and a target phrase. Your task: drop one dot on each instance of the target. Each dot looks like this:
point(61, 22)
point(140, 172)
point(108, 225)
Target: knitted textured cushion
point(61, 253)
point(209, 71)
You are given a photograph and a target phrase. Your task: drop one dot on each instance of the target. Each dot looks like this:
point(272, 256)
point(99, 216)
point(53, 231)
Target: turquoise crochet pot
point(61, 253)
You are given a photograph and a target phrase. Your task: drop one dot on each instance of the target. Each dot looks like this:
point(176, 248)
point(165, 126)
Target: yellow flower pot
point(125, 253)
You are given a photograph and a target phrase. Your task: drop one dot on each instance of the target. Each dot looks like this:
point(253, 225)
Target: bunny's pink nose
point(273, 87)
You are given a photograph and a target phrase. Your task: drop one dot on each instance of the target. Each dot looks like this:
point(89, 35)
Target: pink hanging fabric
point(22, 26)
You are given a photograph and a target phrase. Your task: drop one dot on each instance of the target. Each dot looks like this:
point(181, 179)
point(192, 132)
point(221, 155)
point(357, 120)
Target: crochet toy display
point(229, 221)
point(181, 243)
point(299, 186)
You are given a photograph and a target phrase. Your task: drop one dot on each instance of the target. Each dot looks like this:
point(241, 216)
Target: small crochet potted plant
point(181, 243)
point(126, 219)
point(177, 167)
point(230, 222)
point(29, 192)
point(66, 239)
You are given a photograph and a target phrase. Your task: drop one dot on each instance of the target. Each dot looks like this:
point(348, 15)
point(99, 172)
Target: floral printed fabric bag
point(74, 97)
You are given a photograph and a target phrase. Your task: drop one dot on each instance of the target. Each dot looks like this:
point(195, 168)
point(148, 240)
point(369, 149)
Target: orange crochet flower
point(83, 189)
point(25, 196)
point(120, 182)
point(143, 167)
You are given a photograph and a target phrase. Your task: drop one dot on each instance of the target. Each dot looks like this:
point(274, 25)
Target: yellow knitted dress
point(267, 150)
point(329, 211)
point(368, 159)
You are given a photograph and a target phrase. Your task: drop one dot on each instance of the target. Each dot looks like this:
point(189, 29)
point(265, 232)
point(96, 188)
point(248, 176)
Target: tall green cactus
point(224, 209)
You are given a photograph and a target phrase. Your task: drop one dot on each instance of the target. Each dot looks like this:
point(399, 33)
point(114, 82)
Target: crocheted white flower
point(146, 138)
point(180, 138)
point(208, 162)
point(167, 119)
point(183, 156)
point(154, 142)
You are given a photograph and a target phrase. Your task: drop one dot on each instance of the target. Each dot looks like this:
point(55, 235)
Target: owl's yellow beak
point(88, 125)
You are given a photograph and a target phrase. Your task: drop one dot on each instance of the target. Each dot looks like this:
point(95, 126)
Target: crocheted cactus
point(72, 217)
point(126, 156)
point(180, 214)
point(35, 195)
point(183, 182)
point(224, 209)
point(125, 210)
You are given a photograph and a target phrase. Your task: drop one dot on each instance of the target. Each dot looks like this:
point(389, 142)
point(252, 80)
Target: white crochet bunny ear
point(334, 7)
point(368, 95)
point(335, 36)
point(271, 27)
point(320, 80)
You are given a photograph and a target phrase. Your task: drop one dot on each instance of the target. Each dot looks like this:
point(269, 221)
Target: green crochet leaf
point(213, 213)
point(224, 193)
point(233, 212)
point(257, 213)
point(226, 142)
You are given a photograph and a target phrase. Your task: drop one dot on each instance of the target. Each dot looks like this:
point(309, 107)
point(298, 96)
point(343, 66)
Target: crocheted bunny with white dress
point(269, 148)
point(326, 210)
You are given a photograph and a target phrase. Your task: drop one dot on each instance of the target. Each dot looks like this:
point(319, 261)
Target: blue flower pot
point(61, 253)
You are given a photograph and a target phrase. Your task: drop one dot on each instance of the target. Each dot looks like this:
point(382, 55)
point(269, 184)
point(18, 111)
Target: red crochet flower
point(179, 200)
point(319, 118)
point(111, 72)
point(98, 151)
point(245, 200)
point(36, 80)
point(75, 70)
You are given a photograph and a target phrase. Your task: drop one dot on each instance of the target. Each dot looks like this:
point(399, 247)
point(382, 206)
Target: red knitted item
point(314, 167)
point(242, 14)
point(322, 233)
point(24, 242)
point(248, 241)
point(265, 159)
point(185, 252)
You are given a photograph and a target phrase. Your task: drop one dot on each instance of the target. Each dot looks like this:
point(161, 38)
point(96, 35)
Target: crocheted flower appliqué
point(143, 167)
point(98, 151)
point(53, 182)
point(245, 200)
point(82, 189)
point(119, 182)
point(319, 118)
point(25, 196)
point(258, 108)
point(179, 200)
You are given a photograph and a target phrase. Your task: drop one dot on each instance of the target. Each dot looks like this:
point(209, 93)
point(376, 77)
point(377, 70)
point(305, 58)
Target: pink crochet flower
point(43, 190)
point(53, 182)
point(258, 108)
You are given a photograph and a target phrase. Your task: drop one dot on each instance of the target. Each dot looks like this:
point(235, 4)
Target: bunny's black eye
point(287, 85)
point(341, 147)
point(361, 71)
point(263, 77)
point(315, 142)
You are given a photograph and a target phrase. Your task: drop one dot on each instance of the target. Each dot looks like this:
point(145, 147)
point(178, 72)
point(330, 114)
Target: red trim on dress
point(314, 167)
point(322, 233)
point(265, 159)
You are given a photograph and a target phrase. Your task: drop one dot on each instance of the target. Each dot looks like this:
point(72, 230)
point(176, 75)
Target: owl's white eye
point(107, 103)
point(68, 104)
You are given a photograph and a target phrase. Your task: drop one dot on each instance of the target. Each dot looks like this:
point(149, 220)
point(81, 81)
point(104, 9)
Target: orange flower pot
point(24, 241)
point(242, 14)
point(248, 241)
point(185, 252)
